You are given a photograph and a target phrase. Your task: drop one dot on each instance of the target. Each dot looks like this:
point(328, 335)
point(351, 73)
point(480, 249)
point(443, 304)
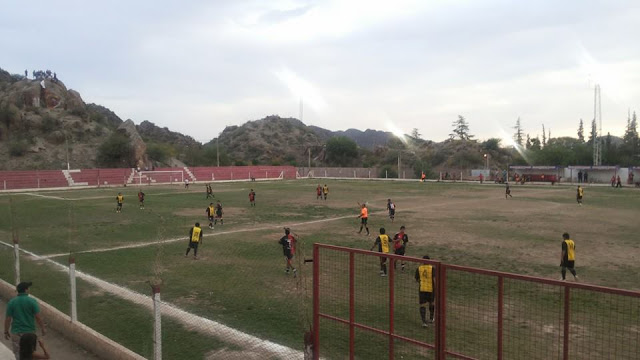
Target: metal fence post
point(352, 304)
point(16, 255)
point(316, 302)
point(441, 312)
point(72, 286)
point(392, 276)
point(500, 314)
point(565, 346)
point(157, 323)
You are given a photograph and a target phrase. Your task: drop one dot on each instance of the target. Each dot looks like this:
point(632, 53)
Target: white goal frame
point(172, 178)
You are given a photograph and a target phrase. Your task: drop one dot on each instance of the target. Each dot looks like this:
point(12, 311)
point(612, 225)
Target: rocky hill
point(367, 139)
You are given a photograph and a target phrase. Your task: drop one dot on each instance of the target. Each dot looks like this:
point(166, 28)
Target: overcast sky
point(198, 66)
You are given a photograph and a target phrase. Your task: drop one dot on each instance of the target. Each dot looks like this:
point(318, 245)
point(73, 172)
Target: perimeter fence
point(479, 314)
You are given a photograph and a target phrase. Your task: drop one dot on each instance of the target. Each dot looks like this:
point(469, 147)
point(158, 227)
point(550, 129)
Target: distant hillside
point(367, 139)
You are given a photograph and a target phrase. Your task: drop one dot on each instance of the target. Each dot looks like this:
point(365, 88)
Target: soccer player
point(426, 277)
point(288, 243)
point(392, 209)
point(364, 217)
point(325, 191)
point(319, 192)
point(195, 238)
point(186, 183)
point(211, 213)
point(382, 241)
point(209, 191)
point(141, 199)
point(400, 241)
point(507, 191)
point(119, 201)
point(219, 213)
point(579, 195)
point(568, 257)
point(252, 198)
point(423, 177)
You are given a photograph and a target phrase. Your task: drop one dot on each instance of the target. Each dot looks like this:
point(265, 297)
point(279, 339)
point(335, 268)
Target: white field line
point(192, 321)
point(184, 238)
point(113, 196)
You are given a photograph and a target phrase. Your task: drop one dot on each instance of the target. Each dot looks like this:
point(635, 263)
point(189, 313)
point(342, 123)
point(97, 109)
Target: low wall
point(78, 333)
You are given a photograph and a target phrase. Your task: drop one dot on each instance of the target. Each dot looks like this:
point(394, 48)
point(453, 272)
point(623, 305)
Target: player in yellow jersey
point(579, 195)
point(195, 238)
point(382, 241)
point(426, 277)
point(325, 191)
point(568, 257)
point(119, 201)
point(211, 214)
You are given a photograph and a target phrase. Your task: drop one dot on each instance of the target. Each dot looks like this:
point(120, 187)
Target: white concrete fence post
point(72, 287)
point(16, 255)
point(157, 323)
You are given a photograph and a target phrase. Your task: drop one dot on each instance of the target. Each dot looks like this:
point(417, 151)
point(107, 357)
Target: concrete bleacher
point(32, 179)
point(39, 179)
point(100, 177)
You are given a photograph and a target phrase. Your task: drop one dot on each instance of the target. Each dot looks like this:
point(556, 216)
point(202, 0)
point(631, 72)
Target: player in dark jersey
point(382, 242)
point(119, 201)
point(319, 192)
point(211, 214)
point(391, 207)
point(426, 277)
point(141, 199)
point(568, 257)
point(219, 214)
point(195, 238)
point(507, 192)
point(209, 191)
point(252, 198)
point(288, 243)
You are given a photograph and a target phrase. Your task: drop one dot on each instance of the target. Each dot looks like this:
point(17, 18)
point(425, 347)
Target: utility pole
point(597, 115)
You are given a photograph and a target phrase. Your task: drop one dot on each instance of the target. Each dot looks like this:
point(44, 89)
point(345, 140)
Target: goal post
point(160, 177)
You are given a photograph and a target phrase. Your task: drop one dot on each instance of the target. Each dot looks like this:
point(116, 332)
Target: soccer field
point(239, 278)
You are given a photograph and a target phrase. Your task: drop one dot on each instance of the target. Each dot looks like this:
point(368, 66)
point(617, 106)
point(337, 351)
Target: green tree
point(517, 136)
point(544, 136)
point(341, 151)
point(116, 151)
point(491, 144)
point(460, 129)
point(528, 143)
point(581, 131)
point(594, 132)
point(631, 146)
point(535, 144)
point(415, 134)
point(158, 152)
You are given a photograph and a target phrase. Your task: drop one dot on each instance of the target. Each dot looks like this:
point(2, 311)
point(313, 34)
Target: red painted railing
point(473, 306)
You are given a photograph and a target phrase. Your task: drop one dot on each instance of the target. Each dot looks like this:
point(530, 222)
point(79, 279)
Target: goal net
point(160, 177)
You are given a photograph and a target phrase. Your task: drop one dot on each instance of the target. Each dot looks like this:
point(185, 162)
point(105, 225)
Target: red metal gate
point(479, 313)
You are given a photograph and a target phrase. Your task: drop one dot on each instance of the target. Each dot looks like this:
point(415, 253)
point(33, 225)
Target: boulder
point(139, 147)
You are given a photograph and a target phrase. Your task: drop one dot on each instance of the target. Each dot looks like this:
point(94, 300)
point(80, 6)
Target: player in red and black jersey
point(400, 241)
point(319, 192)
point(288, 243)
point(219, 214)
point(141, 199)
point(252, 198)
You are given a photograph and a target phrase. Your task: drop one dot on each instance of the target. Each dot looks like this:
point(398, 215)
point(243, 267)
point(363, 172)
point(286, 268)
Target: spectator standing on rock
point(22, 313)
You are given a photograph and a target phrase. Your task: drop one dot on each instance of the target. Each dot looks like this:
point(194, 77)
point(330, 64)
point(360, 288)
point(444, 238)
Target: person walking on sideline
point(568, 257)
point(195, 238)
point(21, 315)
point(28, 345)
point(382, 241)
point(426, 277)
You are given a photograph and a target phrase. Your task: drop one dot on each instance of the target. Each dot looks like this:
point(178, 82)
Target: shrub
point(388, 171)
point(116, 151)
point(18, 147)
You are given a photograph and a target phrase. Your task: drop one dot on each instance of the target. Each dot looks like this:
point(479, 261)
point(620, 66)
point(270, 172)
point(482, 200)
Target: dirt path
point(59, 347)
